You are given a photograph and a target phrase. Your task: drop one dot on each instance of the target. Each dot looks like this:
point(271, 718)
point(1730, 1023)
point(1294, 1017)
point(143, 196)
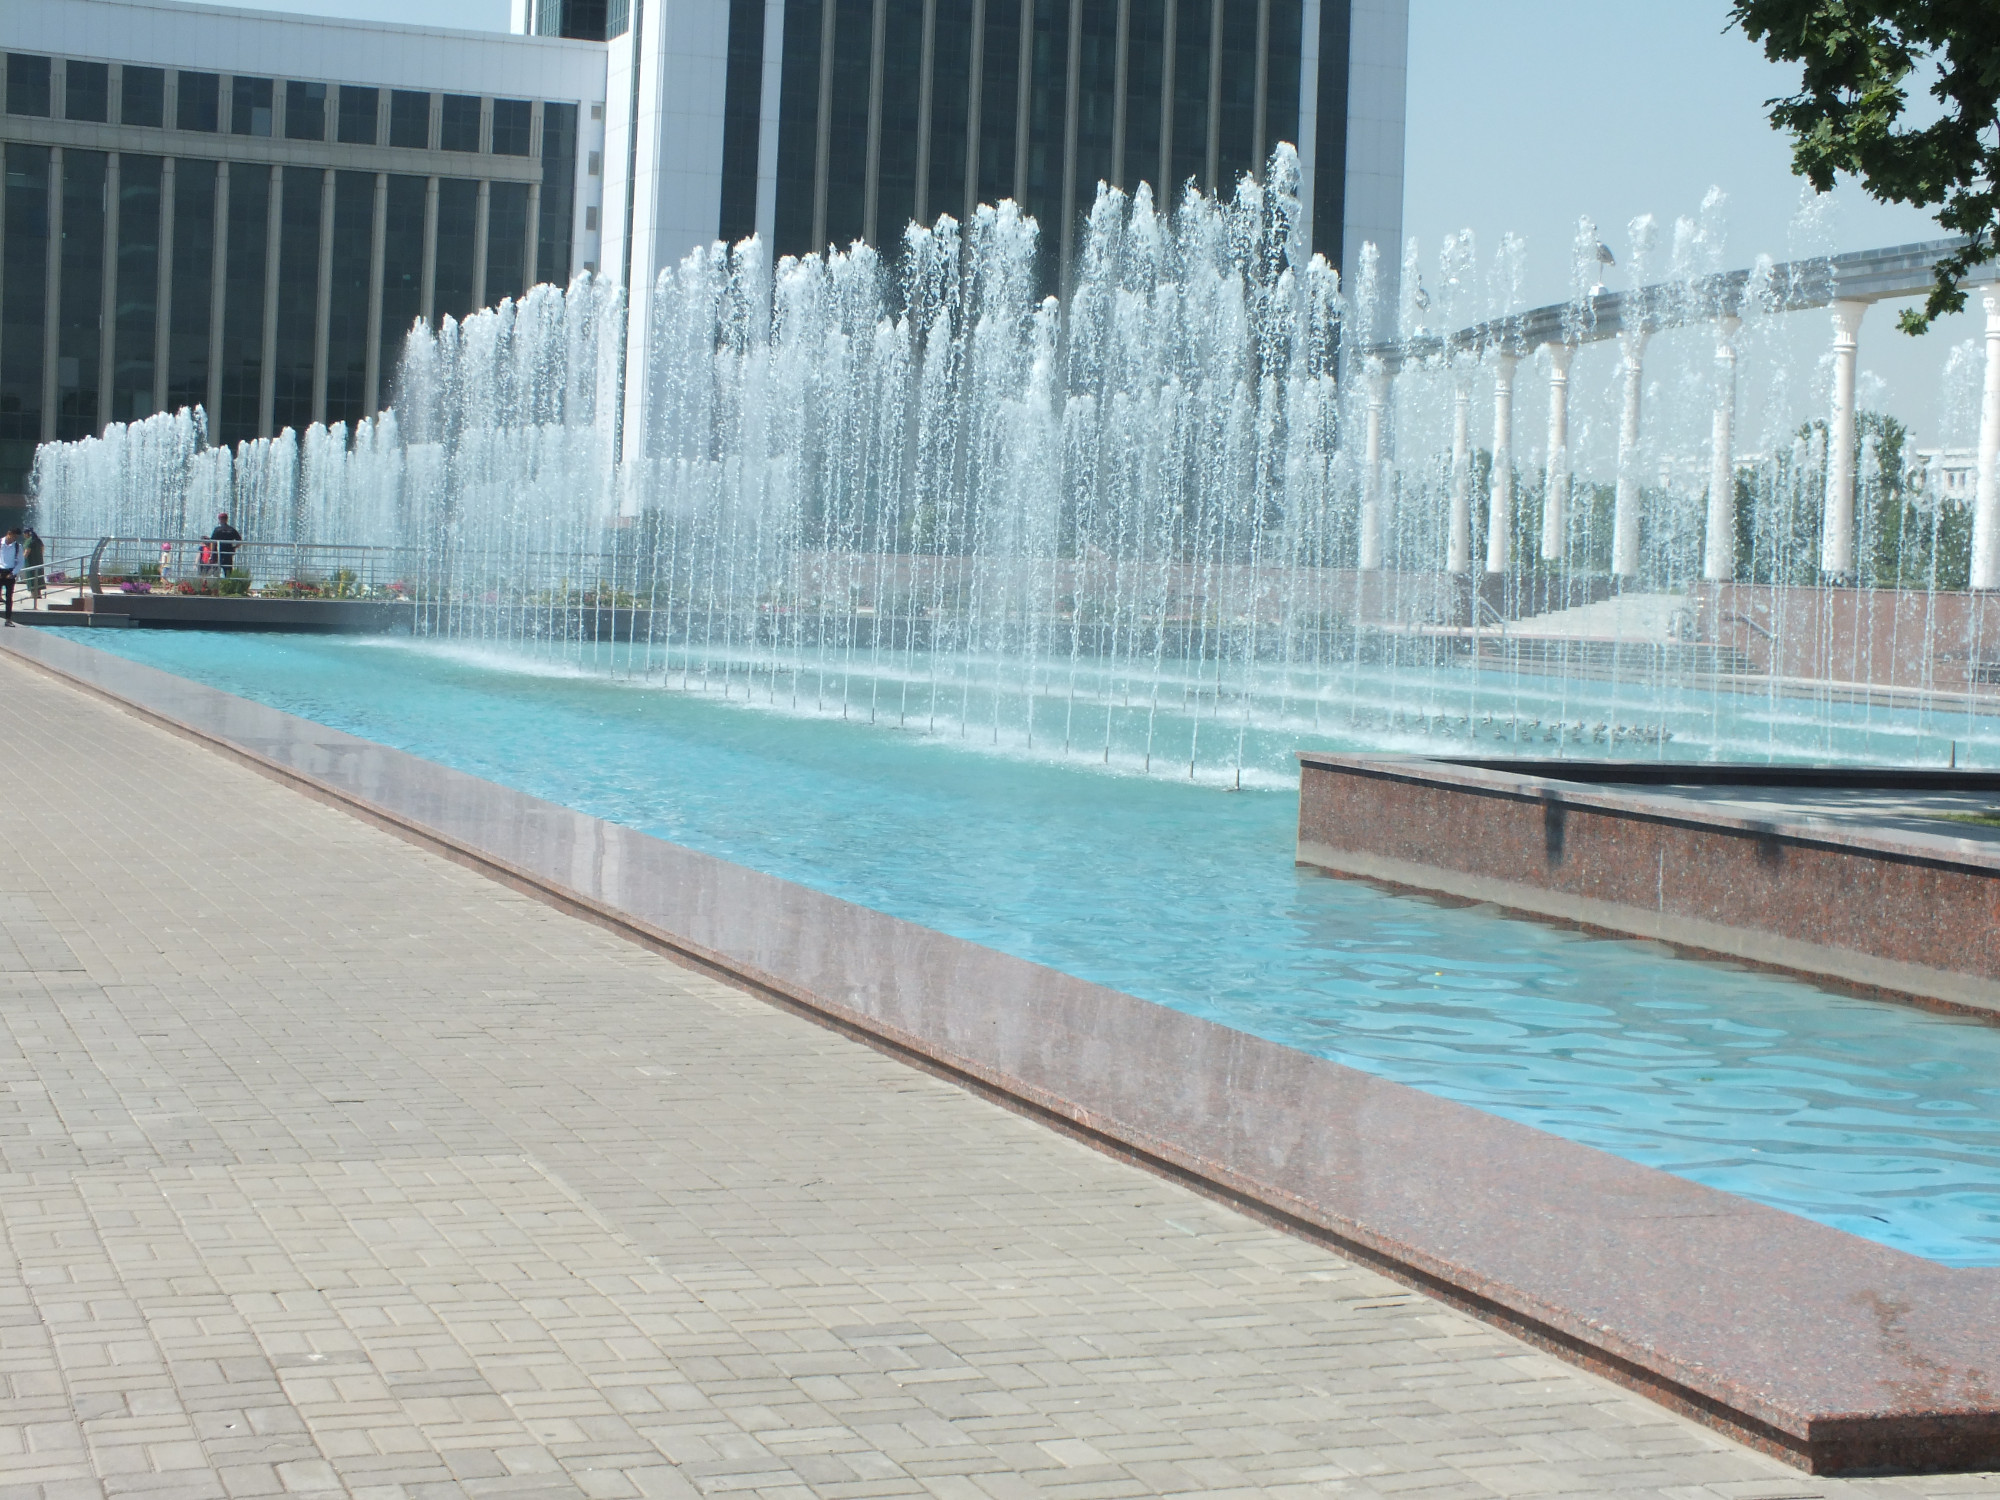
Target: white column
point(1458, 559)
point(1555, 488)
point(1625, 511)
point(1500, 505)
point(1719, 558)
point(1371, 479)
point(1836, 545)
point(1986, 506)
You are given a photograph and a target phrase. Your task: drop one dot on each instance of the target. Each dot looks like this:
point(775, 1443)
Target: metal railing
point(203, 565)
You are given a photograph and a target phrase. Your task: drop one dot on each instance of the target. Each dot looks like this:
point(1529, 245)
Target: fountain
point(1180, 524)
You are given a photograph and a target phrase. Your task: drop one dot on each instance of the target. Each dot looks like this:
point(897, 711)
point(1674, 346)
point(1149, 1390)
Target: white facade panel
point(214, 39)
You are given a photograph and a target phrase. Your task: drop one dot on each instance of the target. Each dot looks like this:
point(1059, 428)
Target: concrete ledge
point(1907, 915)
point(1824, 1349)
point(209, 612)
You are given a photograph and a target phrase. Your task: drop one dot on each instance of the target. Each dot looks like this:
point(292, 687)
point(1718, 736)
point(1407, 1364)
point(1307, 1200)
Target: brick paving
point(330, 1168)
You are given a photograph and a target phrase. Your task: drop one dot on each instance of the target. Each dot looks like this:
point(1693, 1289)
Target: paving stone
point(329, 1168)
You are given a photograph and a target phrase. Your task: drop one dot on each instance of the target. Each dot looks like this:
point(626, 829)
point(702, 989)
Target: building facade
point(208, 207)
point(245, 211)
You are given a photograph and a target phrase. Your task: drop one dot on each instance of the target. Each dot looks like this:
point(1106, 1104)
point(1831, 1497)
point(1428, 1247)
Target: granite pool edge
point(1863, 911)
point(1874, 1369)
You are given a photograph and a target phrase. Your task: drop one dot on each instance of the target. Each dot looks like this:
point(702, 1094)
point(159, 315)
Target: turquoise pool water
point(1874, 1118)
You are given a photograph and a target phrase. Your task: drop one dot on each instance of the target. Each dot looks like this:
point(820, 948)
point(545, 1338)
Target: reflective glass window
point(1096, 100)
point(298, 299)
point(243, 302)
point(458, 123)
point(511, 118)
point(402, 271)
point(1048, 96)
point(24, 261)
point(305, 111)
point(409, 118)
point(198, 106)
point(80, 301)
point(347, 303)
point(1190, 111)
point(951, 69)
point(357, 114)
point(847, 121)
point(143, 96)
point(1236, 98)
point(506, 240)
point(999, 100)
point(250, 106)
point(896, 140)
point(193, 288)
point(1145, 70)
point(86, 90)
point(27, 85)
point(457, 238)
point(1281, 74)
point(798, 128)
point(137, 296)
point(552, 252)
point(742, 89)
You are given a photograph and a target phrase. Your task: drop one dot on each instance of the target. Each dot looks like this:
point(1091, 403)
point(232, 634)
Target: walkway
point(332, 1168)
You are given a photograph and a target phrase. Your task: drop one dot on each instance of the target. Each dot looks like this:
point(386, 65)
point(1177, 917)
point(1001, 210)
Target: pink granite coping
point(1831, 1351)
point(1900, 913)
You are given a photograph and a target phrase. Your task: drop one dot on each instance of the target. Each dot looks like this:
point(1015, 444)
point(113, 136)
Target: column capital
point(1990, 296)
point(1560, 354)
point(1847, 320)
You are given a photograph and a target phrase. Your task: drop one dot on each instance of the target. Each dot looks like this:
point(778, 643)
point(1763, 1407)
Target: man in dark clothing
point(224, 537)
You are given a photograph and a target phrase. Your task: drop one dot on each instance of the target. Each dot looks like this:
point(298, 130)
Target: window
point(402, 269)
point(510, 126)
point(199, 107)
point(86, 90)
point(457, 234)
point(409, 119)
point(347, 301)
point(243, 303)
point(558, 193)
point(458, 124)
point(357, 114)
point(305, 111)
point(292, 346)
point(194, 265)
point(80, 304)
point(24, 257)
point(506, 241)
point(137, 305)
point(27, 85)
point(143, 98)
point(249, 106)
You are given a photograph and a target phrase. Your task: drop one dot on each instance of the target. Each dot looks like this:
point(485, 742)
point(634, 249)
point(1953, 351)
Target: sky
point(1526, 114)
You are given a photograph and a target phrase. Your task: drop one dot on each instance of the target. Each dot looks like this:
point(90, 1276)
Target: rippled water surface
point(1877, 1119)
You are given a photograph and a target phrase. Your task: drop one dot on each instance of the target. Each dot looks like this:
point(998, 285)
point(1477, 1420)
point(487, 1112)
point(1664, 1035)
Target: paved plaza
point(331, 1168)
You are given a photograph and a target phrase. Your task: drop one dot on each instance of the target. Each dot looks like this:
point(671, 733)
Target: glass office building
point(254, 243)
point(245, 211)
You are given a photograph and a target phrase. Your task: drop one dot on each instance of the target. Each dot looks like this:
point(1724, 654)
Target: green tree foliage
point(1907, 537)
point(1853, 113)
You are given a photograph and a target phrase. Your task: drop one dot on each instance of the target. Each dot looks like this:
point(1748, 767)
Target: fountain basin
point(1812, 1344)
point(1872, 877)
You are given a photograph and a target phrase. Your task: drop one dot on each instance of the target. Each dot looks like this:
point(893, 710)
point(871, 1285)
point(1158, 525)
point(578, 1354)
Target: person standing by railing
point(34, 558)
point(224, 538)
point(10, 565)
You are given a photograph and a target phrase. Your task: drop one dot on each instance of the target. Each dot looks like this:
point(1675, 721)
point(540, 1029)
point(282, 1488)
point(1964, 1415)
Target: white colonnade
point(1555, 482)
point(1500, 507)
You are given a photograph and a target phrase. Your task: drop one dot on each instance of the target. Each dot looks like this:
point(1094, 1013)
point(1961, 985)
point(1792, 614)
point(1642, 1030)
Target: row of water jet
point(1149, 526)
